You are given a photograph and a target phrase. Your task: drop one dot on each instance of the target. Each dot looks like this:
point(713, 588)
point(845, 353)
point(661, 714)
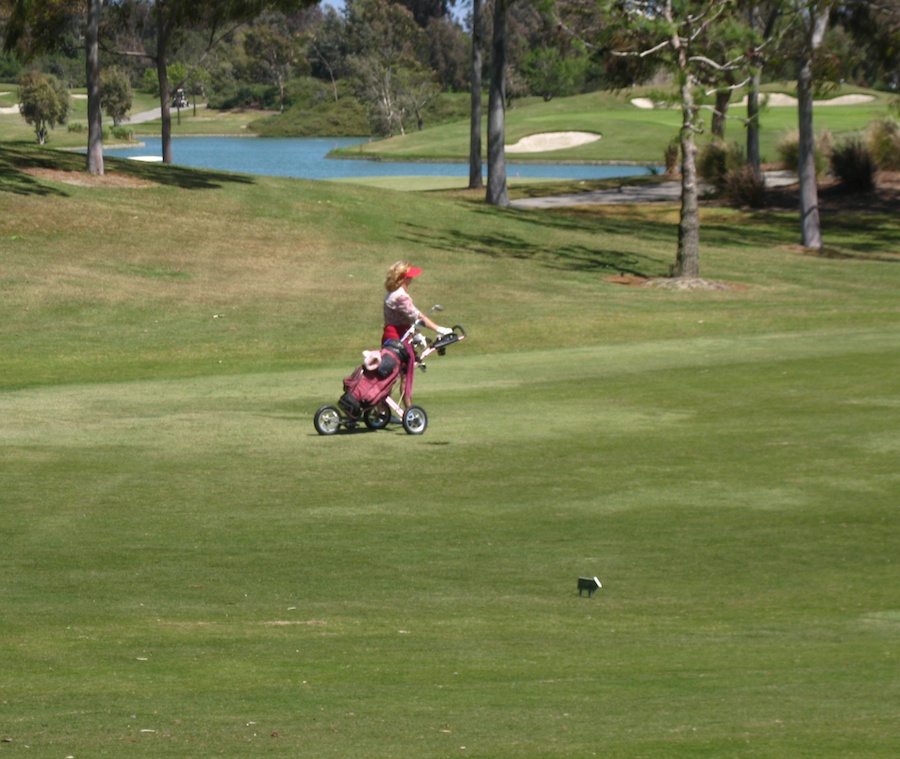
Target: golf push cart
point(367, 391)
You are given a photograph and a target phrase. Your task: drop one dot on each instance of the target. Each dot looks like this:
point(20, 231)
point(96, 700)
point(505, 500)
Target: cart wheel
point(377, 418)
point(415, 420)
point(327, 420)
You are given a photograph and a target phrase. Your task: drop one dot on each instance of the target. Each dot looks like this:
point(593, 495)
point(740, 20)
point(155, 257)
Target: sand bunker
point(777, 99)
point(541, 143)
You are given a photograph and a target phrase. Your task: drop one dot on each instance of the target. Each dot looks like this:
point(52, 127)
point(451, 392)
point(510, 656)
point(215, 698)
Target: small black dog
point(589, 584)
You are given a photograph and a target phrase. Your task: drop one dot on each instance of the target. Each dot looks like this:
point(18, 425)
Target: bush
point(789, 151)
point(716, 160)
point(745, 187)
point(123, 133)
point(883, 141)
point(261, 96)
point(853, 165)
point(672, 154)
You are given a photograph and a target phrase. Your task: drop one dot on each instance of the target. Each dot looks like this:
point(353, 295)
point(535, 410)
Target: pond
point(306, 158)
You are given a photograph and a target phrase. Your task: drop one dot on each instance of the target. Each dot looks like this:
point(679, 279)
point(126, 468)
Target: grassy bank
point(189, 570)
point(628, 133)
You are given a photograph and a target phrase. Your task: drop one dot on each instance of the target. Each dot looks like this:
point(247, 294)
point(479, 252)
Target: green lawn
point(189, 570)
point(628, 133)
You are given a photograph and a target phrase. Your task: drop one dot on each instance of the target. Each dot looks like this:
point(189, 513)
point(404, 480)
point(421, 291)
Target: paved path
point(156, 113)
point(654, 193)
point(140, 118)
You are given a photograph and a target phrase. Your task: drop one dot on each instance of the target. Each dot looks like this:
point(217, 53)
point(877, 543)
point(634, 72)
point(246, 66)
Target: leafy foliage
point(883, 140)
point(43, 102)
point(716, 159)
point(789, 151)
point(116, 94)
point(853, 165)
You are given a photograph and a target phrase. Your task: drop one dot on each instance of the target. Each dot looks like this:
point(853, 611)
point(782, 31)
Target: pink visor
point(413, 271)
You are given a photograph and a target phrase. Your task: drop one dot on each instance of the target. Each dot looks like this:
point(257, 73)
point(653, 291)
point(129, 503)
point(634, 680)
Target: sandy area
point(780, 98)
point(83, 179)
point(540, 143)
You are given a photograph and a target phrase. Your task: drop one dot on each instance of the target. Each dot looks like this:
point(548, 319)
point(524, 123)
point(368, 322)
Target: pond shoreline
point(336, 158)
point(518, 158)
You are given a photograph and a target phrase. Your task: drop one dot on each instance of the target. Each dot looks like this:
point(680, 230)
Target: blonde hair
point(396, 274)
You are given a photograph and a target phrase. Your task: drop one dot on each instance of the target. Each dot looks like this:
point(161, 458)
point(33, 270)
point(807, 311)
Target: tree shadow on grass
point(572, 257)
point(179, 176)
point(864, 237)
point(16, 159)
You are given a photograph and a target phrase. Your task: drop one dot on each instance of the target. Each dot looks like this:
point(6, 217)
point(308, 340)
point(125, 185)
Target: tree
point(550, 73)
point(273, 53)
point(423, 11)
point(38, 26)
point(497, 193)
point(116, 94)
point(448, 54)
point(873, 27)
point(813, 20)
point(43, 103)
point(677, 36)
point(476, 181)
point(763, 19)
point(384, 41)
point(325, 49)
point(92, 74)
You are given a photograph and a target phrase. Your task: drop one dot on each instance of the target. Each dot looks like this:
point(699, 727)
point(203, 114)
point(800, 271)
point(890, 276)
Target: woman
point(400, 313)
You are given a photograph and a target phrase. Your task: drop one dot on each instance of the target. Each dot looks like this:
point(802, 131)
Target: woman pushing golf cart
point(367, 391)
point(400, 313)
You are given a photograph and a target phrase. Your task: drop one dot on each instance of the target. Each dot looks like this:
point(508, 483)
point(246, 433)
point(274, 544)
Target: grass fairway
point(628, 133)
point(188, 570)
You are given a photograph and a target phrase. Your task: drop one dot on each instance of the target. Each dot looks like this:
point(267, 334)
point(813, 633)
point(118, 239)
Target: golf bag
point(372, 381)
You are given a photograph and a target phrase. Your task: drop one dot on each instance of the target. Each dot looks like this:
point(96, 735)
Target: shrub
point(789, 151)
point(883, 141)
point(716, 160)
point(745, 187)
point(672, 154)
point(853, 165)
point(123, 133)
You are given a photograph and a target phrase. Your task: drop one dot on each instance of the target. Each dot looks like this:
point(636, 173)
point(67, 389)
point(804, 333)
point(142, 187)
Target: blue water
point(306, 157)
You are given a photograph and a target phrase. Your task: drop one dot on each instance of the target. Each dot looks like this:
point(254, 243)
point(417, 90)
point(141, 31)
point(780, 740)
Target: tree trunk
point(755, 18)
point(476, 181)
point(162, 44)
point(95, 114)
point(723, 98)
point(753, 157)
point(687, 261)
point(810, 225)
point(497, 194)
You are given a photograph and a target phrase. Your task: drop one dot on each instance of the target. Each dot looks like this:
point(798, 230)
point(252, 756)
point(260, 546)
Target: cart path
point(664, 191)
point(153, 114)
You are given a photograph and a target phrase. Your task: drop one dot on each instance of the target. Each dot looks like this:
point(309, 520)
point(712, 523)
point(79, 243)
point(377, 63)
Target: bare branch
point(644, 53)
point(731, 87)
